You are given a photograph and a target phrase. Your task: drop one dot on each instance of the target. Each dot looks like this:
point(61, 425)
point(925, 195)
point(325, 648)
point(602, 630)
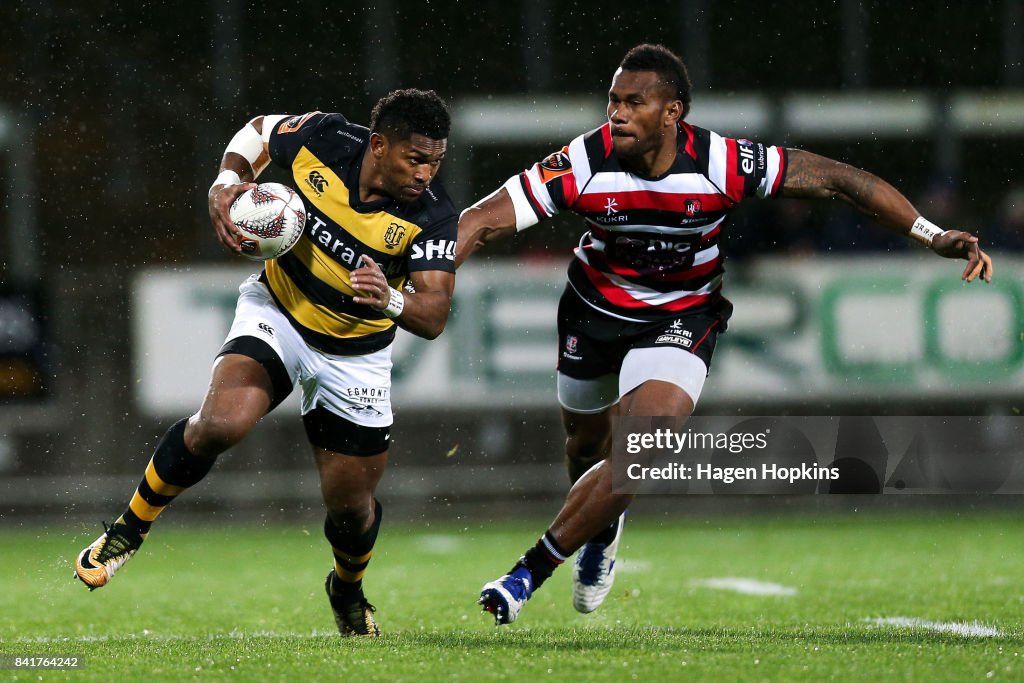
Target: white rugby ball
point(271, 218)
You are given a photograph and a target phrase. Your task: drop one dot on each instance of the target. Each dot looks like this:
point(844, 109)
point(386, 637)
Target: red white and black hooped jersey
point(651, 250)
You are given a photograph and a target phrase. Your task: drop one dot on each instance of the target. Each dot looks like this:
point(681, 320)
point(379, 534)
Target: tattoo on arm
point(810, 176)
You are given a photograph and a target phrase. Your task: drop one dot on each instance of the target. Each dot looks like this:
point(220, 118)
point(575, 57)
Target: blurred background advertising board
point(865, 328)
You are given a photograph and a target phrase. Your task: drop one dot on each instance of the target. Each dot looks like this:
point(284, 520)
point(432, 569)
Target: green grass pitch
point(247, 604)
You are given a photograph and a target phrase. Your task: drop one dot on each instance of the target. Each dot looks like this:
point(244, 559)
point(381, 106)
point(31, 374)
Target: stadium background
point(113, 118)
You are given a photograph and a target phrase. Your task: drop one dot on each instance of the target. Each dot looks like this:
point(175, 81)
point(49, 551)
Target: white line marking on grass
point(746, 586)
point(146, 635)
point(630, 566)
point(438, 544)
point(960, 628)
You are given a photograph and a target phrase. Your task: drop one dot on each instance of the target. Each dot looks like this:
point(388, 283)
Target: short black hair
point(404, 112)
point(666, 64)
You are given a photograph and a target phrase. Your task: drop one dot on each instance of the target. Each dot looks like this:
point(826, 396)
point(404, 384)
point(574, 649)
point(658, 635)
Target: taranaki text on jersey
point(311, 283)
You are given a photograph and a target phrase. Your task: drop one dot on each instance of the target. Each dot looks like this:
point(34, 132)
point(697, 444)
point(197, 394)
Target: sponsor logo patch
point(676, 339)
point(367, 395)
point(434, 249)
point(555, 165)
point(675, 334)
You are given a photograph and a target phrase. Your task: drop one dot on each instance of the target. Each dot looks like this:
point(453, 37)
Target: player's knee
point(351, 514)
point(212, 435)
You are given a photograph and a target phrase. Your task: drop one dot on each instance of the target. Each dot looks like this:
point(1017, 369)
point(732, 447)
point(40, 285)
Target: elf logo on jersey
point(693, 207)
point(752, 155)
point(393, 235)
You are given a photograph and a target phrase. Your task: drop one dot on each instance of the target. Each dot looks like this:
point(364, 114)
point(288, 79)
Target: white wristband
point(925, 231)
point(396, 305)
point(525, 215)
point(227, 177)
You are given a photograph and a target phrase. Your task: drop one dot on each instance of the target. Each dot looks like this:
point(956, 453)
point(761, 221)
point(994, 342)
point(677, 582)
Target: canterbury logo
point(267, 328)
point(394, 234)
point(317, 182)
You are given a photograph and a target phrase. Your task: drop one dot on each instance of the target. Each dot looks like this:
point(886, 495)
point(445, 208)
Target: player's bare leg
point(588, 442)
point(347, 484)
point(238, 396)
point(590, 507)
point(588, 439)
point(594, 567)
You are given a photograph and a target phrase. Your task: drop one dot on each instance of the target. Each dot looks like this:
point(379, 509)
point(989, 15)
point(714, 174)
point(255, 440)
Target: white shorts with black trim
point(358, 388)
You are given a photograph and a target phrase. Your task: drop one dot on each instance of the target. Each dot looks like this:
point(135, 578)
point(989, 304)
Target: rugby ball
point(271, 218)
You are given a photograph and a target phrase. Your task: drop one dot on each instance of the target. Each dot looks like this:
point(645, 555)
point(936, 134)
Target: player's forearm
point(811, 176)
point(237, 164)
point(424, 313)
point(473, 238)
point(490, 219)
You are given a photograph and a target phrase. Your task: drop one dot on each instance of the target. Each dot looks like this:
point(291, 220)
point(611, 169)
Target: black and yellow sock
point(352, 552)
point(543, 559)
point(172, 470)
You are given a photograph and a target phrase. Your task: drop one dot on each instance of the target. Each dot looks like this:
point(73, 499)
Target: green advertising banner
point(830, 329)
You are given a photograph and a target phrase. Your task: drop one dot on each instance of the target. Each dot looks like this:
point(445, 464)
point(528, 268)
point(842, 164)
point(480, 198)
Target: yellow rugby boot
point(98, 563)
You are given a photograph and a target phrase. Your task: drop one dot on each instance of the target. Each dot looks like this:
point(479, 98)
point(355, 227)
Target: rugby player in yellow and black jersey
point(378, 250)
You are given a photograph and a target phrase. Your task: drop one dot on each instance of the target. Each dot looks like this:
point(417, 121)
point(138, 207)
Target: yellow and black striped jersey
point(310, 283)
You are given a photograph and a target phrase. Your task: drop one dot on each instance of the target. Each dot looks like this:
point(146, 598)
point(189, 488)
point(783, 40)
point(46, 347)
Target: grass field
point(854, 597)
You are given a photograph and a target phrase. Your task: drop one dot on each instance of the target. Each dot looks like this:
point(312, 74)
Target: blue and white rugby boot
point(593, 572)
point(505, 597)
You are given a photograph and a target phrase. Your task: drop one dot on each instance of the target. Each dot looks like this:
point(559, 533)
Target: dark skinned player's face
point(409, 165)
point(638, 110)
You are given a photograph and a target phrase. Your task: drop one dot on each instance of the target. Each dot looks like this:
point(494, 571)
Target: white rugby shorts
point(668, 364)
point(358, 388)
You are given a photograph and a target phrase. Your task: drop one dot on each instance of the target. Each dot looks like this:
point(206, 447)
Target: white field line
point(745, 586)
point(147, 635)
point(438, 544)
point(628, 565)
point(960, 628)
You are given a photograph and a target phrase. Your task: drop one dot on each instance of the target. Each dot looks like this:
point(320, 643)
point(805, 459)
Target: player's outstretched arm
point(810, 176)
point(491, 218)
point(423, 312)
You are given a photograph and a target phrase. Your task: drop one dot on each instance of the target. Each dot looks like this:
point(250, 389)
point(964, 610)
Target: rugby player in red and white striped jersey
point(651, 248)
point(639, 318)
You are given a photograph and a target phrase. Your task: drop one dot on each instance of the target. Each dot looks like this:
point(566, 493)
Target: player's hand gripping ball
point(271, 218)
